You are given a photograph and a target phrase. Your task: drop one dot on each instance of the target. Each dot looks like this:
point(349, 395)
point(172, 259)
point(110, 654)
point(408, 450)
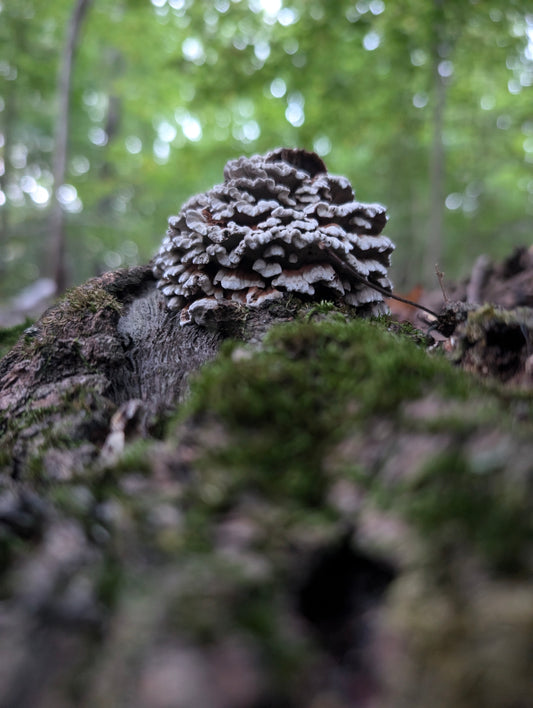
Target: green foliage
point(164, 93)
point(10, 335)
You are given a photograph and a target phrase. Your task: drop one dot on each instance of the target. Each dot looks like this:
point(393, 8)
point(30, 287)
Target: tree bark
point(57, 219)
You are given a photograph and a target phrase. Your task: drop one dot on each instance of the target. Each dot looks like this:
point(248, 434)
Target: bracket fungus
point(279, 223)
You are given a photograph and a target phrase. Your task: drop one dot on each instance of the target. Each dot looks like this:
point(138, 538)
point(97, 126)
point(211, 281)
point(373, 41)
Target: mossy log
point(287, 506)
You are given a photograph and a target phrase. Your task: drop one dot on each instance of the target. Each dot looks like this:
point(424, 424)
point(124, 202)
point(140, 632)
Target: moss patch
point(288, 403)
point(278, 412)
point(454, 503)
point(496, 342)
point(69, 317)
point(88, 298)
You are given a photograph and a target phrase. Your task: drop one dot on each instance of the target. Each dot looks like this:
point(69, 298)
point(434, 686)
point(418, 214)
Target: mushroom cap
point(278, 223)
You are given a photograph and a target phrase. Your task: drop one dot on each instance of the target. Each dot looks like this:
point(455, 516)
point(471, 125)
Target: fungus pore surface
point(279, 223)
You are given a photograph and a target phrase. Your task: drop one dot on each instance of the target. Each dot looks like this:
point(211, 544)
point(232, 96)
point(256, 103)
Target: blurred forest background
point(426, 105)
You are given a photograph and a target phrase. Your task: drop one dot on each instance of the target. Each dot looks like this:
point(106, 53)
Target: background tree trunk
point(57, 219)
point(8, 119)
point(437, 164)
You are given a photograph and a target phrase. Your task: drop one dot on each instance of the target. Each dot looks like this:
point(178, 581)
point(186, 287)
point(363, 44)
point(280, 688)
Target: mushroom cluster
point(279, 223)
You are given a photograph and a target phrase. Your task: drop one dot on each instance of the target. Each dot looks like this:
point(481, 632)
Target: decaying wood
point(478, 277)
point(112, 340)
point(139, 567)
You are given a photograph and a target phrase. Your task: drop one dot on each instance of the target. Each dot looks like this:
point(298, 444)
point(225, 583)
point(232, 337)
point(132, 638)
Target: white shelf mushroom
point(279, 223)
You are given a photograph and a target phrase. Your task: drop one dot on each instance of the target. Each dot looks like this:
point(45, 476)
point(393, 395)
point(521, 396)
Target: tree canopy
point(425, 105)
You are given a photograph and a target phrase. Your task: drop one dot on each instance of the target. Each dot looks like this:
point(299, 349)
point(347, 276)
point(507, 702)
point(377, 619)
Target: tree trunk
point(326, 514)
point(9, 114)
point(57, 220)
point(437, 164)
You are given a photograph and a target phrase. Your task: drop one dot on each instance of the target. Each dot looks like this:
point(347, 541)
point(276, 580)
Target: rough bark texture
point(327, 514)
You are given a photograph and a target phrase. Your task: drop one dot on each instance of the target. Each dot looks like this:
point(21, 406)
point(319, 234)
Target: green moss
point(260, 612)
point(495, 342)
point(323, 308)
point(75, 500)
point(11, 428)
point(251, 606)
point(288, 403)
point(87, 298)
point(406, 330)
point(64, 425)
point(136, 458)
point(453, 501)
point(67, 315)
point(109, 581)
point(281, 410)
point(479, 319)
